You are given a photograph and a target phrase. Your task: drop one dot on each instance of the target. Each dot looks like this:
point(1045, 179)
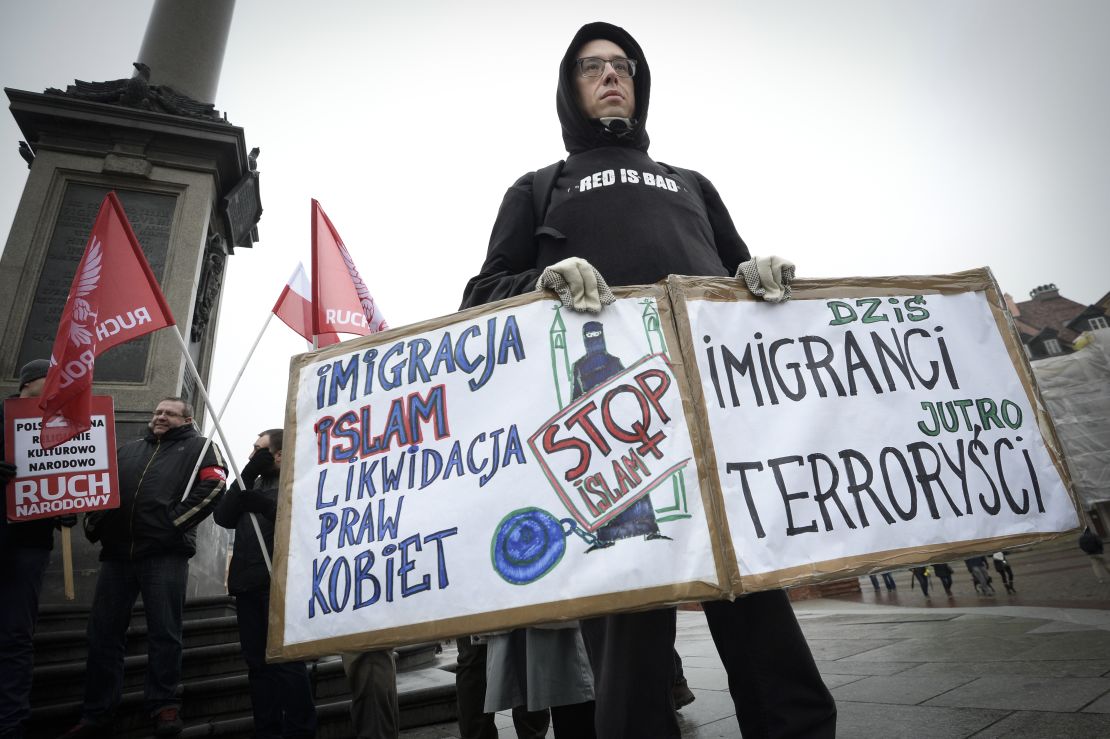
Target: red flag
point(294, 307)
point(114, 298)
point(342, 302)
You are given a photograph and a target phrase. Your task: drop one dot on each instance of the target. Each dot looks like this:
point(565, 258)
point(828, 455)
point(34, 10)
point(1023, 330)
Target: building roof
point(1048, 314)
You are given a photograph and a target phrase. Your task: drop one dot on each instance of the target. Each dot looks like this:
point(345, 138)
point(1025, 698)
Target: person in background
point(24, 553)
point(888, 581)
point(921, 574)
point(977, 566)
point(470, 692)
point(281, 693)
point(539, 669)
point(682, 694)
point(944, 572)
point(1002, 565)
point(372, 675)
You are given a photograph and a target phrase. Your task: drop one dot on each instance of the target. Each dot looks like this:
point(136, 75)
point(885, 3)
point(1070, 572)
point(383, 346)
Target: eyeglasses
point(594, 66)
point(167, 414)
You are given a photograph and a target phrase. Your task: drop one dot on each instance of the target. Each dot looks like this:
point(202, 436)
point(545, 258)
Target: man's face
point(263, 442)
point(607, 96)
point(32, 389)
point(168, 415)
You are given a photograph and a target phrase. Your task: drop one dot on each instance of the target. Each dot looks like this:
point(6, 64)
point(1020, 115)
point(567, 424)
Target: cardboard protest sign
point(869, 424)
point(506, 465)
point(77, 476)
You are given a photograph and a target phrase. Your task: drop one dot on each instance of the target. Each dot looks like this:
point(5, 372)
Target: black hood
point(579, 133)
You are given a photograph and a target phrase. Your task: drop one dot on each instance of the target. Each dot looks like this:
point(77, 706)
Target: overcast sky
point(861, 137)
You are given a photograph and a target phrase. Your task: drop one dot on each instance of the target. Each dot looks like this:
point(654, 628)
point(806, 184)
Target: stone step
point(211, 697)
point(52, 647)
point(214, 692)
point(68, 617)
point(424, 697)
point(65, 681)
point(221, 706)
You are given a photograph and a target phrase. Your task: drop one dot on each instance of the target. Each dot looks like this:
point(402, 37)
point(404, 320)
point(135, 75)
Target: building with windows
point(1051, 325)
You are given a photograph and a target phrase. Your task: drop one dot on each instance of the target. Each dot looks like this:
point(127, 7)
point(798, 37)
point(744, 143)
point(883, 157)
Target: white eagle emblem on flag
point(83, 317)
point(364, 298)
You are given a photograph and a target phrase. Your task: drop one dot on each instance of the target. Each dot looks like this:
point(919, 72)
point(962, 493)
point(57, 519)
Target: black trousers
point(772, 677)
point(575, 721)
point(1006, 572)
point(632, 656)
point(946, 581)
point(281, 692)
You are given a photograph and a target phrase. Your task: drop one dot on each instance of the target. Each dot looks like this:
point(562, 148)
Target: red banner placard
point(76, 476)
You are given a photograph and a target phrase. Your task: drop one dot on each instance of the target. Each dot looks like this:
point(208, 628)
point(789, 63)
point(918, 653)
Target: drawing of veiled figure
point(595, 367)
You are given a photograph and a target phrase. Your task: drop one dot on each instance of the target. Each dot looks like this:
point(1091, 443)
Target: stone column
point(184, 45)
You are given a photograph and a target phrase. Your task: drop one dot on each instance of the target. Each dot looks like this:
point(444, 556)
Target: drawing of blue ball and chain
point(529, 542)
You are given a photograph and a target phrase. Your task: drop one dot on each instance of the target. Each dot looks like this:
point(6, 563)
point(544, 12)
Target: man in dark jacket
point(281, 693)
point(617, 216)
point(24, 553)
point(146, 544)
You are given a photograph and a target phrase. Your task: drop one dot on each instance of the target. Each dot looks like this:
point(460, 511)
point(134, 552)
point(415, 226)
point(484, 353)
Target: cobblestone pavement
point(1031, 664)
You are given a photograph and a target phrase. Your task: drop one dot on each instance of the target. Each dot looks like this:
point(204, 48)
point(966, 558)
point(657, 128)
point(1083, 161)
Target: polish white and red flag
point(294, 307)
point(114, 299)
point(340, 298)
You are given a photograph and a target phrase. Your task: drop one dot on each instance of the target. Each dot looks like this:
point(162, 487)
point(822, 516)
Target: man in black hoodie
point(616, 216)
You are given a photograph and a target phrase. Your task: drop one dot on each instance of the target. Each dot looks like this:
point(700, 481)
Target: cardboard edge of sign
point(496, 621)
point(672, 298)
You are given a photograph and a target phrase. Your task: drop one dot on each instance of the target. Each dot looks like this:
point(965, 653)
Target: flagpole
point(217, 419)
point(67, 563)
point(219, 430)
point(227, 400)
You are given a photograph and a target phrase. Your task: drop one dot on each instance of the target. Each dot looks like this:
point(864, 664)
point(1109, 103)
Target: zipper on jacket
point(139, 487)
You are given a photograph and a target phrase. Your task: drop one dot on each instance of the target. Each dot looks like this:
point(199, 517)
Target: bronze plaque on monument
point(151, 216)
point(242, 209)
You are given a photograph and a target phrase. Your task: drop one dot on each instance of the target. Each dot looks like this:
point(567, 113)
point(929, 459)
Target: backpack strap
point(542, 186)
point(689, 177)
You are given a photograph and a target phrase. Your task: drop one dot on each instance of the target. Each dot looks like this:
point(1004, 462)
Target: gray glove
point(579, 286)
point(767, 277)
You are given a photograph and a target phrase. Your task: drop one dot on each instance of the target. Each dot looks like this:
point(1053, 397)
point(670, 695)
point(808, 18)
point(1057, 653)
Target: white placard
point(852, 427)
point(415, 495)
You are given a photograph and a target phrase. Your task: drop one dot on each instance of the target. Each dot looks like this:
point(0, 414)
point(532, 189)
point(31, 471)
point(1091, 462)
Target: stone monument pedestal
point(191, 196)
